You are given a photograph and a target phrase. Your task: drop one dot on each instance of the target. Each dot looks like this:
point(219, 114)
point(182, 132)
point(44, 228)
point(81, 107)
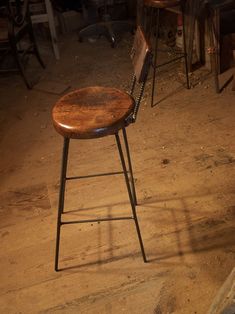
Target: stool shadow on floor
point(181, 226)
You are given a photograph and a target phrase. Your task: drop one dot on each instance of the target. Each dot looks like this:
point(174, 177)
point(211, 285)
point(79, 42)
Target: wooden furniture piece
point(16, 25)
point(233, 87)
point(95, 112)
point(45, 15)
point(224, 301)
point(156, 6)
point(198, 15)
point(218, 28)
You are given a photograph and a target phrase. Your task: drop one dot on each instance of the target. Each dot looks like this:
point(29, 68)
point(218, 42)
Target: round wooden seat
point(92, 112)
point(161, 4)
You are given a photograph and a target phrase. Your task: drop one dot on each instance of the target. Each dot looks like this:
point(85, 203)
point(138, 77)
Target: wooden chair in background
point(221, 22)
point(16, 26)
point(42, 12)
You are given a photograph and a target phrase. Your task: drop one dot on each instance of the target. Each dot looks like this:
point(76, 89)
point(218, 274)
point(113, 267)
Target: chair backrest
point(18, 11)
point(141, 57)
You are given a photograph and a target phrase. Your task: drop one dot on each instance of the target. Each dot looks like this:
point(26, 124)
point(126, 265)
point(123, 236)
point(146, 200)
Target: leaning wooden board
point(233, 88)
point(224, 302)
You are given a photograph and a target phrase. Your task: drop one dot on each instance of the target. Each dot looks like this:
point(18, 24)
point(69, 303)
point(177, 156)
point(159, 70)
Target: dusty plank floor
point(184, 159)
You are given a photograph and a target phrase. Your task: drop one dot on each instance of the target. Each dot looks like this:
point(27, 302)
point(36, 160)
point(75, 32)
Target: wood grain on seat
point(161, 4)
point(92, 112)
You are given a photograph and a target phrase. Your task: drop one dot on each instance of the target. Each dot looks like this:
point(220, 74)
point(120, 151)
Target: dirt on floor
point(183, 154)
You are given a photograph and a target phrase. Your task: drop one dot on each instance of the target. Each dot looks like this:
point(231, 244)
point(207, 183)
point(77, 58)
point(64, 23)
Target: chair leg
point(19, 63)
point(151, 22)
point(130, 166)
point(130, 196)
point(61, 198)
point(214, 53)
point(155, 58)
point(185, 50)
point(35, 46)
point(111, 35)
point(52, 28)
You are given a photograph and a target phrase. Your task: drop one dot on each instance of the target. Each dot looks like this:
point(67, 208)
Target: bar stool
point(157, 5)
point(95, 112)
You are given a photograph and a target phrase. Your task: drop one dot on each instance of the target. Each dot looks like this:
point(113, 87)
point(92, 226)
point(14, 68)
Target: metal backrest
point(141, 57)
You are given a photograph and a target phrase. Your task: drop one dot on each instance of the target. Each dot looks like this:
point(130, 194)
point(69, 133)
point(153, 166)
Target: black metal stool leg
point(155, 58)
point(184, 48)
point(145, 14)
point(148, 21)
point(130, 196)
point(129, 166)
point(61, 198)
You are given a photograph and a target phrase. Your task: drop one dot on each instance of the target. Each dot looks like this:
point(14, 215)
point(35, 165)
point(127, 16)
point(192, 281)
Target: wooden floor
point(183, 154)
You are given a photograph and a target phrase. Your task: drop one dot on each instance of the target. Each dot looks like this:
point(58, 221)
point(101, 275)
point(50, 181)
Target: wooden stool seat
point(92, 112)
point(161, 4)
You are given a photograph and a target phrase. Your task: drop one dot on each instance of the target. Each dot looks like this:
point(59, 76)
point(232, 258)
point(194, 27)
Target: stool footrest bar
point(170, 61)
point(95, 220)
point(94, 175)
